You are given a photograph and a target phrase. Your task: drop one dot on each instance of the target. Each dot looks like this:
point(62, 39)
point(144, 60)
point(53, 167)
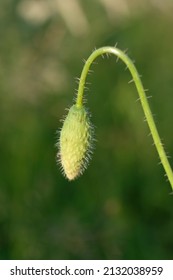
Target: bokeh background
point(121, 208)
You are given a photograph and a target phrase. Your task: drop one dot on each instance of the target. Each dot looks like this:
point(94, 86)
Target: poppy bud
point(75, 142)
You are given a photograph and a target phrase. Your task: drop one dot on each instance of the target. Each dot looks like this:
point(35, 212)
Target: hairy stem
point(140, 89)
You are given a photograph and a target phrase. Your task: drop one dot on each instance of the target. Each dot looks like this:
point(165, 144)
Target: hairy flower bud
point(75, 142)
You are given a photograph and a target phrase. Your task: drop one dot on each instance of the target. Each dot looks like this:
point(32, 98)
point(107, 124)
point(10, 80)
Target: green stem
point(144, 102)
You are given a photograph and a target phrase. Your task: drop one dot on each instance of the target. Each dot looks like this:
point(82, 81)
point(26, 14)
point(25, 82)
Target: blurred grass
point(120, 207)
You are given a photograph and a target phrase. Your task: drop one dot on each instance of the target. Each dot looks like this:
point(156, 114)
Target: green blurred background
point(121, 208)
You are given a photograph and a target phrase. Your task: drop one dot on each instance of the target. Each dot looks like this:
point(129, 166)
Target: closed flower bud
point(75, 142)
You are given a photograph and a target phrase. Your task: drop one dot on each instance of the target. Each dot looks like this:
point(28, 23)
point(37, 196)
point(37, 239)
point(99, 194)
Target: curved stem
point(144, 102)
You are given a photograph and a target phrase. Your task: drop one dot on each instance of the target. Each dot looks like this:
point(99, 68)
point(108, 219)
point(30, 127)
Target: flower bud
point(75, 142)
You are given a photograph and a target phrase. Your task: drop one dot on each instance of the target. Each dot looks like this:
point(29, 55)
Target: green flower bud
point(75, 142)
